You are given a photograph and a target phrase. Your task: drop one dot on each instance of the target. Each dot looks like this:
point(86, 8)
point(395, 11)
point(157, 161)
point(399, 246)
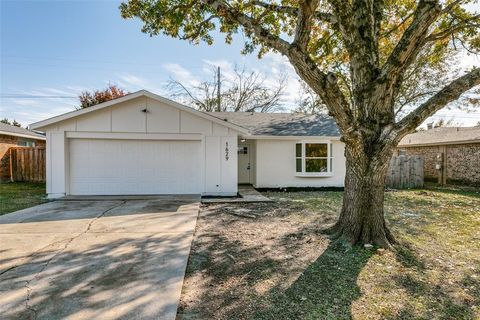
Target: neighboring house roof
point(282, 124)
point(9, 130)
point(441, 136)
point(142, 93)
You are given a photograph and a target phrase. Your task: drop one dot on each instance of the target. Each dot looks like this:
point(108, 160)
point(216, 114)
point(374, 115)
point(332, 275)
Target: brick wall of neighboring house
point(462, 162)
point(7, 142)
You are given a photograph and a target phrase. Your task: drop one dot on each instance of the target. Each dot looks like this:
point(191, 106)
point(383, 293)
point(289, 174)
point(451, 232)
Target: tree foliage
point(12, 123)
point(88, 99)
point(242, 91)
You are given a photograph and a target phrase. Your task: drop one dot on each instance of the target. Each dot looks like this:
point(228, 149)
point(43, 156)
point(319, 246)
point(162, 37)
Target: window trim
point(26, 143)
point(329, 158)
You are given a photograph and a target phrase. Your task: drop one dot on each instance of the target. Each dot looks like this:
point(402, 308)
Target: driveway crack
point(47, 263)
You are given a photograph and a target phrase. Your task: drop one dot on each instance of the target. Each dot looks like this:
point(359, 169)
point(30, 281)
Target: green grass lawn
point(280, 265)
point(20, 195)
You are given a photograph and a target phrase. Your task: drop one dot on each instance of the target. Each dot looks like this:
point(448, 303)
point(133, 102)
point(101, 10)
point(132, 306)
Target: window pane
point(316, 150)
point(299, 165)
point(298, 150)
point(315, 165)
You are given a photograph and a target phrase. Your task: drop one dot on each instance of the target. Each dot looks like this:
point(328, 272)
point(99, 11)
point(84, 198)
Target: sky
point(61, 48)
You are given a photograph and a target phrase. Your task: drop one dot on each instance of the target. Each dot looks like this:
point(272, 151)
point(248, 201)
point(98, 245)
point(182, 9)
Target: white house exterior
point(144, 144)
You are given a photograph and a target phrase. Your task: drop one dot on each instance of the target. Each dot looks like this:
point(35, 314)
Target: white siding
point(129, 117)
point(193, 124)
point(275, 166)
point(221, 165)
point(97, 121)
point(126, 120)
point(162, 118)
point(56, 163)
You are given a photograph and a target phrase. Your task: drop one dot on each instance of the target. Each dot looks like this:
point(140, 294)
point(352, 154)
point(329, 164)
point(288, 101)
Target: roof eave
point(277, 137)
point(8, 133)
point(440, 143)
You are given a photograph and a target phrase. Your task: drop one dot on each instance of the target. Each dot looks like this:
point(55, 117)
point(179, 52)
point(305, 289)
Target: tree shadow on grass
point(259, 285)
point(325, 290)
point(432, 298)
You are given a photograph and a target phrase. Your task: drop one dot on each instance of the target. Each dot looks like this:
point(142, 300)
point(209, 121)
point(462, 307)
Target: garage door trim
point(133, 136)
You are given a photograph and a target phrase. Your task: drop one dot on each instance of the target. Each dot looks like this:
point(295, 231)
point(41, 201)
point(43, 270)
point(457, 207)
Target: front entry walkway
point(247, 193)
point(108, 259)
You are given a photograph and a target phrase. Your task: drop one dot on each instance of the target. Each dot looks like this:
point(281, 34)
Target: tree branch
point(322, 16)
point(325, 85)
point(304, 23)
point(412, 40)
point(228, 12)
point(449, 93)
point(455, 28)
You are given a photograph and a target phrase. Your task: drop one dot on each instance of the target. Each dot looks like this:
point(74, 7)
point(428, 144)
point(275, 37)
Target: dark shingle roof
point(282, 124)
point(8, 129)
point(444, 135)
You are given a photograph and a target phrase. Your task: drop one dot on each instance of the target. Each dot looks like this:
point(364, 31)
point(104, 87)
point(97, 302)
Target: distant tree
point(12, 123)
point(16, 124)
point(445, 123)
point(308, 101)
point(88, 99)
point(244, 91)
point(478, 124)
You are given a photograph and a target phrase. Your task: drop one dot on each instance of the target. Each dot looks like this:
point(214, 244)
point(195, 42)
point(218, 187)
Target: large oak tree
point(357, 55)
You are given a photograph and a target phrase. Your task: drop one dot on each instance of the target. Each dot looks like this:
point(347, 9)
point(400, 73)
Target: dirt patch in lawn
point(272, 261)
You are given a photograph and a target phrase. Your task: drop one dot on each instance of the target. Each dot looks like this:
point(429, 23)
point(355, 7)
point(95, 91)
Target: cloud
point(181, 74)
point(132, 80)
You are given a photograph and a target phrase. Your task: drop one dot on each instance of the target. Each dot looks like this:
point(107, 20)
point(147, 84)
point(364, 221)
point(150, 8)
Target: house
point(12, 136)
point(451, 154)
point(143, 143)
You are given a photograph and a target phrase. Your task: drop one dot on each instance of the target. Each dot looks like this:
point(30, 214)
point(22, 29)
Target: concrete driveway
point(105, 259)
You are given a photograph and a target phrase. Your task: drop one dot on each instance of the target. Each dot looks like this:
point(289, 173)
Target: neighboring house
point(145, 144)
point(12, 136)
point(451, 153)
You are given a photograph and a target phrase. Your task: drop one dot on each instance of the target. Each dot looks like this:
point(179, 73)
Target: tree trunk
point(362, 218)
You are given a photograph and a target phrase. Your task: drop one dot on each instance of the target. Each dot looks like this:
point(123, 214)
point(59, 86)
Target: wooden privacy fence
point(405, 172)
point(27, 164)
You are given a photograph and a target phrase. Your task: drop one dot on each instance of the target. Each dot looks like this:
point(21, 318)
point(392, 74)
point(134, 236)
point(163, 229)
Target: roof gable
point(142, 93)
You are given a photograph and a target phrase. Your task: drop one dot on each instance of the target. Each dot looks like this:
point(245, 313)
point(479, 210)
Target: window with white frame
point(26, 143)
point(313, 158)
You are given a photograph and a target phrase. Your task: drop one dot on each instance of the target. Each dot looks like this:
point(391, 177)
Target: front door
point(244, 164)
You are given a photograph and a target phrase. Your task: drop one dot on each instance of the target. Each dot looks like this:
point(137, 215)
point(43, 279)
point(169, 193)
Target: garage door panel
point(119, 167)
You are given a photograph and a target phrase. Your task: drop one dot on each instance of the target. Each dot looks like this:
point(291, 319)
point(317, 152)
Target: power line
point(6, 96)
point(60, 59)
point(78, 60)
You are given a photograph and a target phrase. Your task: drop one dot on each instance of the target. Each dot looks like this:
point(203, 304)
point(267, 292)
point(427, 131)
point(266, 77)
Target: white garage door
point(123, 167)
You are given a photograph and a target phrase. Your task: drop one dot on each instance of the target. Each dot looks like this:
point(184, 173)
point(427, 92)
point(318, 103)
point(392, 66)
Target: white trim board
point(132, 136)
point(295, 138)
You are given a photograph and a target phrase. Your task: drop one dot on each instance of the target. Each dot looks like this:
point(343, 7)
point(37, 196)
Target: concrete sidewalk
point(112, 259)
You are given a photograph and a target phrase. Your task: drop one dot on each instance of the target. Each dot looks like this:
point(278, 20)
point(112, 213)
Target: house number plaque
point(226, 151)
